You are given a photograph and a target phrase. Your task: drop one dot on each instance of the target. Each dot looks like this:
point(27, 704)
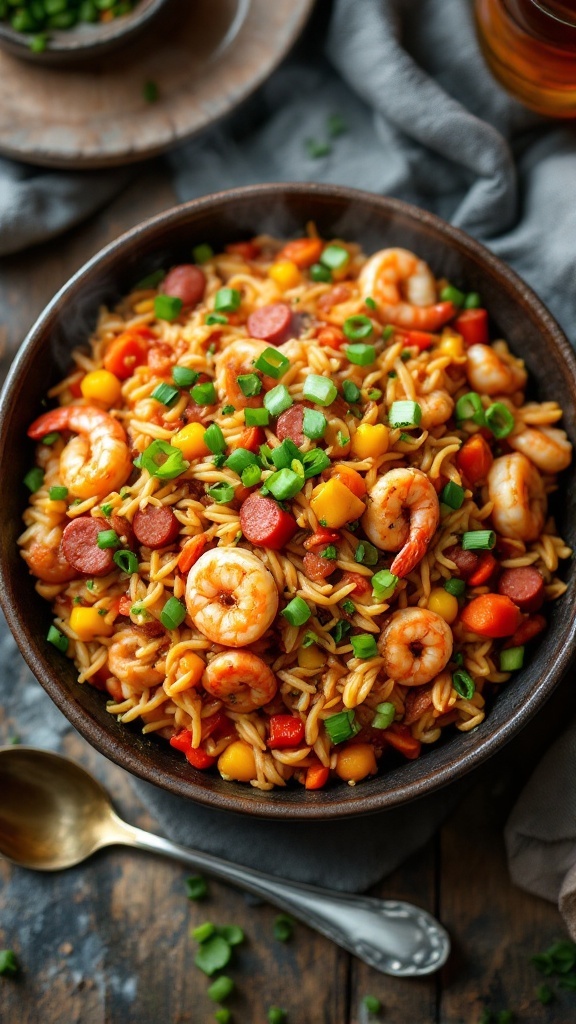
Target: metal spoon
point(53, 815)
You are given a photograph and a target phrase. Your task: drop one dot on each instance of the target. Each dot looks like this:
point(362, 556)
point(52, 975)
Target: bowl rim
point(275, 807)
point(67, 43)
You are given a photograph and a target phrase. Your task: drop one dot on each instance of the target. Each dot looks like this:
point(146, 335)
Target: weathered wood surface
point(109, 942)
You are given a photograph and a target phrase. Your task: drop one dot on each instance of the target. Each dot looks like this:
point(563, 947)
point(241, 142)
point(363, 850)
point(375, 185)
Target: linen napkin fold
point(425, 122)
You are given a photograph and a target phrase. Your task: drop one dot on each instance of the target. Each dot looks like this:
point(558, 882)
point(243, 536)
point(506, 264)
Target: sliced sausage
point(318, 568)
point(155, 526)
point(124, 530)
point(271, 323)
point(265, 524)
point(525, 586)
point(186, 282)
point(80, 547)
point(290, 425)
point(466, 561)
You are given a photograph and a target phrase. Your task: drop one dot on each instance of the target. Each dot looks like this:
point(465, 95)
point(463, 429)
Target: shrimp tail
point(54, 419)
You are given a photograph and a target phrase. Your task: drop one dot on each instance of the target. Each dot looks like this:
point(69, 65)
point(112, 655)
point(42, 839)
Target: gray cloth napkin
point(426, 123)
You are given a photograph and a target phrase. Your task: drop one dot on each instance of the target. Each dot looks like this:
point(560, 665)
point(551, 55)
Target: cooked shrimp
point(95, 462)
point(404, 288)
point(241, 680)
point(487, 372)
point(416, 645)
point(437, 407)
point(237, 358)
point(402, 515)
point(231, 596)
point(547, 447)
point(519, 501)
point(124, 662)
point(47, 563)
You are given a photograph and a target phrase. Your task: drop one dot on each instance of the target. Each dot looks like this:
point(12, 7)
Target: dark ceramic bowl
point(167, 239)
point(85, 42)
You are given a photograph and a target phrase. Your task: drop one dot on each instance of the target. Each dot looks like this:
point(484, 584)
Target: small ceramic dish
point(283, 210)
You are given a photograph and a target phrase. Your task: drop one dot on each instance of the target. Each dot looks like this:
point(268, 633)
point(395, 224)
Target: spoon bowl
point(54, 815)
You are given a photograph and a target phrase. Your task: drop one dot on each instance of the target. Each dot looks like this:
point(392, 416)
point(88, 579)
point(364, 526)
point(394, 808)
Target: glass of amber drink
point(530, 47)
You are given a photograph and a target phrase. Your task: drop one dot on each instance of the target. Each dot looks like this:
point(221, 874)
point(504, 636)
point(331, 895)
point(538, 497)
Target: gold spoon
point(54, 815)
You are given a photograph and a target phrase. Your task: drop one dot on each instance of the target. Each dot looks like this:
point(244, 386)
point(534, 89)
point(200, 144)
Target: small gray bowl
point(85, 41)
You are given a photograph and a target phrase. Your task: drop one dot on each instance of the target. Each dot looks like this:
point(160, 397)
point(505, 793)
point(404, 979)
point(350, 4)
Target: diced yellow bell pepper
point(311, 657)
point(285, 274)
point(370, 440)
point(356, 761)
point(190, 441)
point(101, 386)
point(334, 505)
point(237, 762)
point(192, 662)
point(88, 624)
point(444, 604)
point(452, 345)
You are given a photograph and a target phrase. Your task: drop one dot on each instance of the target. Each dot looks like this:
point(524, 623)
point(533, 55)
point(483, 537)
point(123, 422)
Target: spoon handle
point(394, 937)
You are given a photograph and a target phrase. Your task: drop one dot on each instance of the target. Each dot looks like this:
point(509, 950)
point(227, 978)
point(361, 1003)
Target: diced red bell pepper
point(198, 758)
point(474, 459)
point(124, 605)
point(321, 536)
point(418, 339)
point(251, 439)
point(181, 740)
point(362, 584)
point(285, 731)
point(316, 776)
point(472, 324)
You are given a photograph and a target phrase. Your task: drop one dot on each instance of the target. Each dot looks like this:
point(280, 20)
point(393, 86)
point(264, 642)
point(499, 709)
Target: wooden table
point(109, 942)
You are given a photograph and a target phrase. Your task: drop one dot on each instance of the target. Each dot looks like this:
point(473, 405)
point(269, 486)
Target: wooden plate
point(204, 56)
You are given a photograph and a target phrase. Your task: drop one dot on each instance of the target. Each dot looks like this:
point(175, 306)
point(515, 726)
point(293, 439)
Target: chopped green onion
point(455, 586)
point(499, 419)
point(213, 955)
point(351, 391)
point(214, 439)
point(385, 715)
point(276, 1015)
point(126, 561)
point(249, 384)
point(221, 493)
point(8, 962)
point(51, 439)
point(58, 493)
point(309, 638)
point(405, 414)
point(227, 300)
point(364, 646)
point(107, 510)
point(227, 410)
point(108, 539)
point(256, 417)
point(340, 630)
point(335, 257)
point(297, 612)
point(38, 43)
point(202, 253)
point(34, 479)
point(220, 989)
point(196, 887)
point(163, 461)
point(223, 1015)
point(203, 931)
point(314, 424)
point(406, 355)
point(317, 149)
point(545, 994)
point(463, 684)
point(453, 295)
point(478, 540)
point(315, 461)
point(342, 726)
point(372, 1004)
point(384, 584)
point(251, 475)
point(336, 125)
point(283, 456)
point(204, 394)
point(360, 354)
point(232, 933)
point(240, 459)
point(173, 613)
point(283, 927)
point(150, 281)
point(374, 394)
point(469, 407)
point(151, 92)
point(342, 439)
point(458, 658)
point(165, 394)
point(472, 301)
point(54, 636)
point(320, 273)
point(452, 495)
point(358, 327)
point(216, 318)
point(330, 552)
point(272, 363)
point(370, 303)
point(167, 307)
point(284, 484)
point(511, 659)
point(184, 376)
point(278, 400)
point(366, 553)
point(319, 389)
point(348, 606)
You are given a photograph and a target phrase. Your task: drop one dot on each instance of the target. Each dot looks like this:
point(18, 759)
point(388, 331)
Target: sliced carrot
point(493, 615)
point(191, 552)
point(474, 459)
point(317, 776)
point(486, 566)
point(303, 251)
point(351, 479)
point(127, 351)
point(400, 737)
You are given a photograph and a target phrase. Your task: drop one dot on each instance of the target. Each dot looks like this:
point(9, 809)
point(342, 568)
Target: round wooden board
point(205, 58)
